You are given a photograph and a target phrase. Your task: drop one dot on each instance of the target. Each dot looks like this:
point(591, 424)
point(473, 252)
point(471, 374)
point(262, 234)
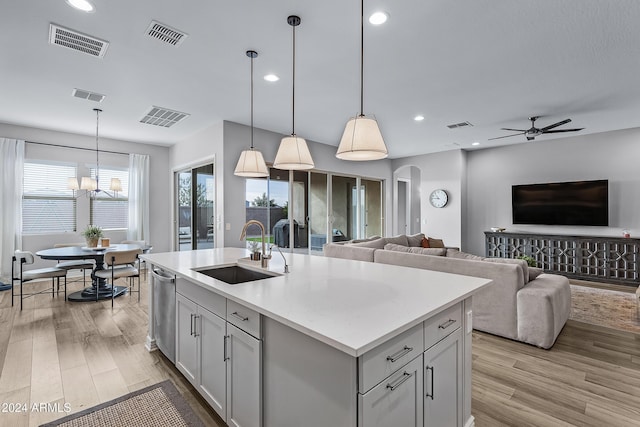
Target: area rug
point(158, 405)
point(612, 309)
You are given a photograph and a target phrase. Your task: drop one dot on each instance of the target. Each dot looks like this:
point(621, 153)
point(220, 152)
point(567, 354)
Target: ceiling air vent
point(164, 117)
point(165, 33)
point(77, 41)
point(85, 94)
point(459, 125)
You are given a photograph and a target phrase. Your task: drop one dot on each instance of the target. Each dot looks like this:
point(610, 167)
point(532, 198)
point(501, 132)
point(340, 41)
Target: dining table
point(99, 285)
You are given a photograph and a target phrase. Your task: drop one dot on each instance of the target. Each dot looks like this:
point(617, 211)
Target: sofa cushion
point(519, 262)
point(415, 240)
point(348, 252)
point(435, 243)
point(544, 305)
point(379, 243)
point(454, 253)
point(368, 239)
point(413, 250)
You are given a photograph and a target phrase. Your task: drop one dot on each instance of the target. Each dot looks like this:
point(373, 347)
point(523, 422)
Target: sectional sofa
point(522, 304)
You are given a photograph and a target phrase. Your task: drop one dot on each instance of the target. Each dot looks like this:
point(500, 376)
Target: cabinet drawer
point(244, 318)
point(397, 401)
point(210, 300)
point(380, 362)
point(442, 324)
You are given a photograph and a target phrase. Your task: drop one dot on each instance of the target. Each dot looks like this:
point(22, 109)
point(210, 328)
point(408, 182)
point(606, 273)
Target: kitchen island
point(333, 342)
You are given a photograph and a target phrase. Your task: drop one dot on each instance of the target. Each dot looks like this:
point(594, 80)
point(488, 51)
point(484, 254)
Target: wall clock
point(439, 198)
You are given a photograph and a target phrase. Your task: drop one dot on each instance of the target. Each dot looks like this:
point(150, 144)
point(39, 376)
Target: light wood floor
point(87, 353)
point(83, 353)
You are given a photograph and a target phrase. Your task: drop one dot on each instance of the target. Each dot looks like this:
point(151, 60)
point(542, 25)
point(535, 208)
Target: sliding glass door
point(195, 215)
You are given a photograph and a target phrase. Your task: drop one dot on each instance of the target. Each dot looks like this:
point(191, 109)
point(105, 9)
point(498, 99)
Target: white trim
point(471, 422)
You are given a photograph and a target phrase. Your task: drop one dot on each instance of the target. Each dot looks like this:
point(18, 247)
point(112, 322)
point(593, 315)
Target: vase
point(92, 243)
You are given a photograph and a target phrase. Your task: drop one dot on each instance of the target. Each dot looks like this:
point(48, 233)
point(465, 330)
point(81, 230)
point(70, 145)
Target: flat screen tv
point(561, 203)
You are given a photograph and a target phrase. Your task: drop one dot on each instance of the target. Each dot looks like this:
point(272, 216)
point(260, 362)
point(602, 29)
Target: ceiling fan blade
point(506, 136)
point(562, 130)
point(514, 130)
point(546, 128)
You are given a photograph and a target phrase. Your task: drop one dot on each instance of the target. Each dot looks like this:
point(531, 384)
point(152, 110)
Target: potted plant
point(92, 234)
point(254, 247)
point(531, 262)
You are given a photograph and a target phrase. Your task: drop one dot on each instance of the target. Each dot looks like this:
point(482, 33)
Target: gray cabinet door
point(396, 401)
point(443, 382)
point(211, 338)
point(244, 379)
point(186, 341)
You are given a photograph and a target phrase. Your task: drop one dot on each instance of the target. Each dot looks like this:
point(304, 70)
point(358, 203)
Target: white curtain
point(12, 155)
point(138, 197)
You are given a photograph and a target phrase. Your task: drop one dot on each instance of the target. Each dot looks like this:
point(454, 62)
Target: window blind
point(47, 205)
point(111, 212)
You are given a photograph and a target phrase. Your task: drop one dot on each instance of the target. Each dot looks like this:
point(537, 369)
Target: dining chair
point(26, 258)
point(122, 264)
point(141, 244)
point(79, 264)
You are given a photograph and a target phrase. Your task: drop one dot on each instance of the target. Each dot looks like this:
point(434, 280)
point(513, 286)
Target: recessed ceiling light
point(475, 143)
point(83, 5)
point(271, 78)
point(419, 118)
point(378, 18)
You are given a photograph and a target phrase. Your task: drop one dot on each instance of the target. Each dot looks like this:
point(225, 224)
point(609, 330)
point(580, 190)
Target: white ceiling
point(490, 62)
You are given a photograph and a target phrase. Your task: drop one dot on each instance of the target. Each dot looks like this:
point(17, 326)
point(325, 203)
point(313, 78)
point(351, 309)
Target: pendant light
point(251, 163)
point(293, 153)
point(362, 139)
point(92, 185)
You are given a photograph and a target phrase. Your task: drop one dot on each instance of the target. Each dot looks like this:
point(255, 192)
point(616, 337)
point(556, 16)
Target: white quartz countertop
point(350, 305)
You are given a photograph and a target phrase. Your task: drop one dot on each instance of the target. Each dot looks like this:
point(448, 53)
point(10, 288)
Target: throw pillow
point(435, 243)
point(415, 240)
point(368, 239)
point(398, 240)
point(425, 243)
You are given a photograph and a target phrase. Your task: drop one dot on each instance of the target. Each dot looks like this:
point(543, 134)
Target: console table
point(595, 258)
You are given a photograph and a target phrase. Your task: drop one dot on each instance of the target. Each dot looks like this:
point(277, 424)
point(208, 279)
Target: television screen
point(561, 203)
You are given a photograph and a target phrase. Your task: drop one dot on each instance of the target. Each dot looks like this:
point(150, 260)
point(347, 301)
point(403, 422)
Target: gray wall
point(440, 170)
point(160, 204)
point(491, 173)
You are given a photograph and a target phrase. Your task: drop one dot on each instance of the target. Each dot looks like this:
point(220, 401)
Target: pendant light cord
point(97, 110)
point(252, 56)
point(293, 96)
point(361, 57)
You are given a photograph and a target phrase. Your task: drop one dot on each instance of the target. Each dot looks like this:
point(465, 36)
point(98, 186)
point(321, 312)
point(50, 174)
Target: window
point(47, 205)
point(106, 211)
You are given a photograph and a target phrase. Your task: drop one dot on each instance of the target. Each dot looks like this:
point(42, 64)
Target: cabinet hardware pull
point(224, 356)
point(446, 324)
point(236, 315)
point(191, 324)
point(405, 350)
point(430, 368)
point(195, 325)
point(405, 376)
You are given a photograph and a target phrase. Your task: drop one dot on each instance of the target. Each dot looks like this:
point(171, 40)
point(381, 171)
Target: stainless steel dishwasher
point(164, 311)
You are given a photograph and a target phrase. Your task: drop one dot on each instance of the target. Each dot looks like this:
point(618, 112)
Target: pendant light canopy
point(362, 139)
point(251, 163)
point(293, 153)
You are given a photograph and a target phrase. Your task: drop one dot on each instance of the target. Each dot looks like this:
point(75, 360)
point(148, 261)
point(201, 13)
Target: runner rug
point(157, 405)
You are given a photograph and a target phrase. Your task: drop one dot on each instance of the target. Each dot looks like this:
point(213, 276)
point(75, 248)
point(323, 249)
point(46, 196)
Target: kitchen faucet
point(265, 259)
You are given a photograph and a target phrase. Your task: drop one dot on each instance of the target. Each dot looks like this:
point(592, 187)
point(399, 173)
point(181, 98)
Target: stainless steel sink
point(235, 274)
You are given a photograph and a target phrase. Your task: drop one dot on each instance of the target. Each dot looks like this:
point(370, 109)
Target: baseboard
point(471, 422)
point(150, 344)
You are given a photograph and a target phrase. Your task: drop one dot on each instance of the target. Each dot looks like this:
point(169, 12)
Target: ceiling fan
point(532, 132)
